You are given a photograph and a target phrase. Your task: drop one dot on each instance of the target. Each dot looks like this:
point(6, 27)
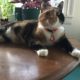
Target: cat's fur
point(47, 31)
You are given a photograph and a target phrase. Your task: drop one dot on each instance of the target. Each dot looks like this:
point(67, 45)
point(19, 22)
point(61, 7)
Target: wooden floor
point(18, 63)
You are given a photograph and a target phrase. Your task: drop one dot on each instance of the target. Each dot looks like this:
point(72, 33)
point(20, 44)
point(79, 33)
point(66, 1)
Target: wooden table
point(17, 63)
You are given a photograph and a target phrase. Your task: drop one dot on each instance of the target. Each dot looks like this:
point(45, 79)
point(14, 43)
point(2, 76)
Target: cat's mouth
point(52, 30)
point(50, 27)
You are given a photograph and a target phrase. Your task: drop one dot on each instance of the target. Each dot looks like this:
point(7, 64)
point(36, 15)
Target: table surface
point(18, 63)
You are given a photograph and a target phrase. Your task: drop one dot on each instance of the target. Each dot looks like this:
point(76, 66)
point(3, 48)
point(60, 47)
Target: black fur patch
point(65, 44)
point(2, 33)
point(6, 39)
point(61, 18)
point(27, 32)
point(17, 29)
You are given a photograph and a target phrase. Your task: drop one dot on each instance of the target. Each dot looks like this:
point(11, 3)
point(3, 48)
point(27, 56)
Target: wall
point(72, 25)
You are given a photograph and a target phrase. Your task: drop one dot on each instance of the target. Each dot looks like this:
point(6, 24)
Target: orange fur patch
point(48, 15)
point(39, 35)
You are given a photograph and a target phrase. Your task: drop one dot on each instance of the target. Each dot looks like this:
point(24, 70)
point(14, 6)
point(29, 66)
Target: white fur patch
point(76, 53)
point(10, 34)
point(59, 33)
point(57, 24)
point(42, 52)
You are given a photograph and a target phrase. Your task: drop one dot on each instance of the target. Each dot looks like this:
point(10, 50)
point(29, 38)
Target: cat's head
point(51, 16)
point(45, 5)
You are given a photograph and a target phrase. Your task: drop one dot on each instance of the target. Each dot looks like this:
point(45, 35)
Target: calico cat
point(52, 31)
point(39, 35)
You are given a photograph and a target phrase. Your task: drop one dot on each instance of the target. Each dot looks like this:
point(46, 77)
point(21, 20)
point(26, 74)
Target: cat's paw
point(42, 52)
point(76, 53)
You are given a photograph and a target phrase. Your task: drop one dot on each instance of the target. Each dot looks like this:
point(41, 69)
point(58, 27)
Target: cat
point(39, 34)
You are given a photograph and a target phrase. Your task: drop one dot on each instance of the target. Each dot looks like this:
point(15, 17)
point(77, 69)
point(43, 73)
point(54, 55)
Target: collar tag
point(52, 38)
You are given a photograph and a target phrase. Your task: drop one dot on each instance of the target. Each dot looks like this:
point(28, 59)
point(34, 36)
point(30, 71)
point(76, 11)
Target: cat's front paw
point(76, 53)
point(42, 52)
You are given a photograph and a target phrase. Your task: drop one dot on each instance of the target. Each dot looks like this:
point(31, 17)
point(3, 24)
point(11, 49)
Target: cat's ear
point(60, 6)
point(45, 5)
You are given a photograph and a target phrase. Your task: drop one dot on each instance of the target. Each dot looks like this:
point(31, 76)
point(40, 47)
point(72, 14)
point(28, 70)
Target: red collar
point(52, 38)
